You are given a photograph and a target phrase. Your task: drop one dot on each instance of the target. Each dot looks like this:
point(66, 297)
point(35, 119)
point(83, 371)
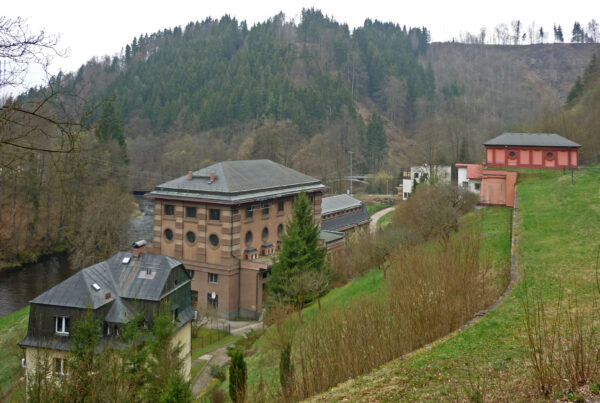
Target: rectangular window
point(249, 212)
point(477, 186)
point(169, 209)
point(234, 211)
point(60, 366)
point(61, 325)
point(175, 313)
point(265, 210)
point(213, 278)
point(213, 300)
point(194, 299)
point(214, 214)
point(190, 212)
point(280, 206)
point(465, 184)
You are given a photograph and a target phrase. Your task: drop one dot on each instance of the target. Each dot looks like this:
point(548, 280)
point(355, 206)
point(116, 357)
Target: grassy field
point(207, 340)
point(375, 207)
point(559, 229)
point(13, 328)
point(495, 230)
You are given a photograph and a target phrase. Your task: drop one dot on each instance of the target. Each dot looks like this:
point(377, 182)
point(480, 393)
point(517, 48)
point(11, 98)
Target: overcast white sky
point(89, 29)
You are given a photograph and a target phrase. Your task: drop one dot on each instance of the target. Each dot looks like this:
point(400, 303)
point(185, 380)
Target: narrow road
point(377, 216)
point(219, 356)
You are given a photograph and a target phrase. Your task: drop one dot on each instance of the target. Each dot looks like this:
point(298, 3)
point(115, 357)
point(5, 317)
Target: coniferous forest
point(302, 93)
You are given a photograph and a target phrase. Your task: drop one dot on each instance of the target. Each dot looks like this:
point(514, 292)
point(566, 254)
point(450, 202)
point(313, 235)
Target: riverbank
point(32, 256)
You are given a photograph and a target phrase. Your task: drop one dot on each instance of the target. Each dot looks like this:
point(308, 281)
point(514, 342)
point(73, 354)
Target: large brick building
point(223, 222)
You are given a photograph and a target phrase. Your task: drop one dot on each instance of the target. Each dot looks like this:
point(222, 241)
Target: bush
point(217, 396)
point(218, 372)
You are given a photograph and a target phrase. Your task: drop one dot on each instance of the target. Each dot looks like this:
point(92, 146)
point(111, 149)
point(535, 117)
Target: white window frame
point(60, 325)
point(62, 367)
point(215, 279)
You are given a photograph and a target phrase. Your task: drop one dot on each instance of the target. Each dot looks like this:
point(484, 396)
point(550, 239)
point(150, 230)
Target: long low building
point(343, 213)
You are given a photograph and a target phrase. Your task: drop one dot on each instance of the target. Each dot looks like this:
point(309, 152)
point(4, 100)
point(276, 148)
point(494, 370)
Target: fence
point(210, 333)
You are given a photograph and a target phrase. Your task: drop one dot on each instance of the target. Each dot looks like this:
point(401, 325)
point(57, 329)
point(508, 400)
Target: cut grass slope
point(13, 328)
point(559, 229)
point(495, 231)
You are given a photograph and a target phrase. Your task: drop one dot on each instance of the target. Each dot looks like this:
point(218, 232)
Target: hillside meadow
point(493, 226)
point(558, 232)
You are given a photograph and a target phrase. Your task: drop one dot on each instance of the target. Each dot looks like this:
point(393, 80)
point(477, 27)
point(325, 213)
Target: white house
point(422, 174)
point(469, 177)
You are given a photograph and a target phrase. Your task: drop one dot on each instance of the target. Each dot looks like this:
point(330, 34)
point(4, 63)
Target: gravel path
point(377, 216)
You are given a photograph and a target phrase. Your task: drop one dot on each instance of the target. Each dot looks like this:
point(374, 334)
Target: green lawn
point(375, 207)
point(385, 220)
point(495, 225)
point(13, 328)
point(207, 340)
point(559, 231)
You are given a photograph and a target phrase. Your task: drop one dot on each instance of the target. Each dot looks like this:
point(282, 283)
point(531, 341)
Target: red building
point(531, 150)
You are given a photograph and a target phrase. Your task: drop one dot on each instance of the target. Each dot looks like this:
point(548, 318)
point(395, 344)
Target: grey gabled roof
point(330, 236)
point(338, 203)
point(236, 181)
point(531, 140)
point(346, 220)
point(115, 277)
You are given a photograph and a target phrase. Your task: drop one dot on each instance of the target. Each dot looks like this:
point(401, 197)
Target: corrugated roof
point(531, 140)
point(346, 220)
point(238, 181)
point(338, 203)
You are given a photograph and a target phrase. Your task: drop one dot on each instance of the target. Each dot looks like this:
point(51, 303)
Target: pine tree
point(300, 250)
point(237, 377)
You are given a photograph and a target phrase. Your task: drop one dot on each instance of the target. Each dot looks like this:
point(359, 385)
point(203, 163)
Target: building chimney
point(212, 177)
point(139, 248)
point(107, 296)
point(190, 175)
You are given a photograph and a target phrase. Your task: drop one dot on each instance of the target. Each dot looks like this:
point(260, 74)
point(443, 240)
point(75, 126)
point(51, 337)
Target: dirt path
point(219, 356)
point(377, 216)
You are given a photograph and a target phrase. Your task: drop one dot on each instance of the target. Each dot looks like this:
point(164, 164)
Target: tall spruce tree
point(300, 248)
point(237, 377)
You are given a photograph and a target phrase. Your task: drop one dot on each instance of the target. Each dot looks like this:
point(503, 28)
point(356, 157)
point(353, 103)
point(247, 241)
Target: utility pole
point(351, 152)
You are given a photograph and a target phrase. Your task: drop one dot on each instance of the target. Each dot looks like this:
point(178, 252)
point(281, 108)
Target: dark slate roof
point(238, 181)
point(330, 236)
point(346, 221)
point(112, 276)
point(531, 140)
point(341, 202)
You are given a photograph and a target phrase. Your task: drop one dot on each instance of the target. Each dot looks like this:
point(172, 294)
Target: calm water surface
point(19, 285)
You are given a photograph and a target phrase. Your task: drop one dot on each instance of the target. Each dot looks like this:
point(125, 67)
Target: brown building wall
point(238, 289)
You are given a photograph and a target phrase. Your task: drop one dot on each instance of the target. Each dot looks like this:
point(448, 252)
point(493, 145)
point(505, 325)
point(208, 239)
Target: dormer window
point(61, 325)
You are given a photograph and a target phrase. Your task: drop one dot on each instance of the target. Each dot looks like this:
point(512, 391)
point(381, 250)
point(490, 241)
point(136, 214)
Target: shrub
point(218, 372)
point(237, 377)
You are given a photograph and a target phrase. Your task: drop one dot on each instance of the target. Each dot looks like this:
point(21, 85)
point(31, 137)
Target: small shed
point(531, 150)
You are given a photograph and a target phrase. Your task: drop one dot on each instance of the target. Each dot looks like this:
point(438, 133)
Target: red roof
point(474, 171)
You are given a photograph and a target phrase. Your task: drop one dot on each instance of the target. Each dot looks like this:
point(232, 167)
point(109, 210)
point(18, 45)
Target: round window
point(214, 240)
point(248, 238)
point(191, 237)
point(168, 234)
point(280, 229)
point(549, 155)
point(265, 234)
point(512, 154)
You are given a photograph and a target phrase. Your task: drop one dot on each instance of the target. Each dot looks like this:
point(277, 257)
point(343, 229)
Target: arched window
point(169, 234)
point(280, 230)
point(248, 238)
point(214, 240)
point(265, 234)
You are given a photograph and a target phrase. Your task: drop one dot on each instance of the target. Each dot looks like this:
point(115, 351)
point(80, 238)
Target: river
point(19, 285)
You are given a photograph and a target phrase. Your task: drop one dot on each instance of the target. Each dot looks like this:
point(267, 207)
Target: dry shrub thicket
point(563, 341)
point(431, 291)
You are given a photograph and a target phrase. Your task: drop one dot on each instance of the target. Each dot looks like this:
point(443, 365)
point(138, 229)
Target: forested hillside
point(302, 93)
point(305, 94)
